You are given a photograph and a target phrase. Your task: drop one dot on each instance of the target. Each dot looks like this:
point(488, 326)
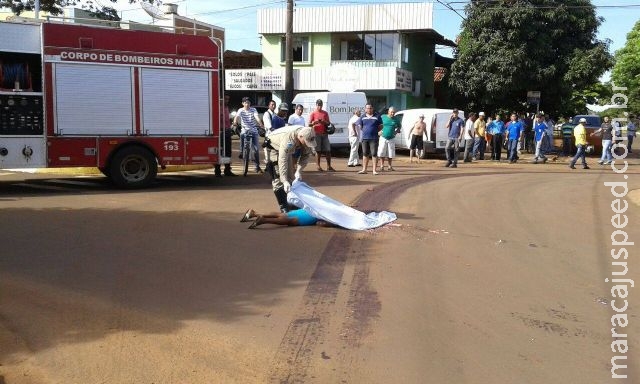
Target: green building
point(387, 51)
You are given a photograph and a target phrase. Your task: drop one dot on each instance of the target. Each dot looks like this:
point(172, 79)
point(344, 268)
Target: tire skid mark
point(363, 303)
point(297, 349)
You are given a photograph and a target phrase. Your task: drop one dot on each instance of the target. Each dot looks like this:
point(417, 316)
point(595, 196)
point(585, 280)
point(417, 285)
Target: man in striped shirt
point(249, 120)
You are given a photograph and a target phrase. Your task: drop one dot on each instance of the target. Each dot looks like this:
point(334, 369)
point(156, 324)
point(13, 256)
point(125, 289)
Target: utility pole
point(288, 55)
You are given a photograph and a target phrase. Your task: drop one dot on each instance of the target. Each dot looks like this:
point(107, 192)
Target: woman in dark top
point(606, 130)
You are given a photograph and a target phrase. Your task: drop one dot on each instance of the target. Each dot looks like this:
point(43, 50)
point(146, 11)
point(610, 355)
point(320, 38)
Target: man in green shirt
point(386, 145)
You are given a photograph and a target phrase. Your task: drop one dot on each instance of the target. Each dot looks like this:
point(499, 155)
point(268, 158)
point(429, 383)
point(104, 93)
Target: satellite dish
point(153, 11)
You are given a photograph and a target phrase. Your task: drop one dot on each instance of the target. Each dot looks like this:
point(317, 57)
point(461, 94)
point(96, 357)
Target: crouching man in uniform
point(290, 147)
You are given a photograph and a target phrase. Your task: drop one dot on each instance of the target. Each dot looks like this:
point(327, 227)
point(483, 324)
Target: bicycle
point(245, 152)
point(246, 139)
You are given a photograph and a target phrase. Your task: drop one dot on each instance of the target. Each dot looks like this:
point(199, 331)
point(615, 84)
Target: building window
point(386, 46)
point(369, 46)
point(301, 49)
point(405, 48)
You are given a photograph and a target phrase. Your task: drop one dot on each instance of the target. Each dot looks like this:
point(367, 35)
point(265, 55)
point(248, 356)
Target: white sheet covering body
point(332, 211)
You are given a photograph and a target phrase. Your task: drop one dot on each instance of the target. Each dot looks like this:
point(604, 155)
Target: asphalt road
point(493, 273)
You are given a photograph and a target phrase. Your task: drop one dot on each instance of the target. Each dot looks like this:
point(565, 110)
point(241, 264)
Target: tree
point(54, 7)
point(626, 72)
point(507, 48)
point(596, 94)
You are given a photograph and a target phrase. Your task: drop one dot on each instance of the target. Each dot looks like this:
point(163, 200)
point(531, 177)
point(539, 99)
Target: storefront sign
point(404, 80)
point(253, 79)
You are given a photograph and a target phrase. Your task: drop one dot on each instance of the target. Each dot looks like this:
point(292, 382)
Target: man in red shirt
point(319, 119)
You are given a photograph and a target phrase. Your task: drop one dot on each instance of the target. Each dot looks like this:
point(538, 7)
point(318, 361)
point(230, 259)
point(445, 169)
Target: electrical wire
point(458, 7)
point(263, 5)
point(451, 8)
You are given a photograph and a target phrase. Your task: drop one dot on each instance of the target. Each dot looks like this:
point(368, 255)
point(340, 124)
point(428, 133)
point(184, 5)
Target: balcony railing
point(367, 63)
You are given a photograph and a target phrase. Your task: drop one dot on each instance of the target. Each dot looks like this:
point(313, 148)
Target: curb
point(96, 171)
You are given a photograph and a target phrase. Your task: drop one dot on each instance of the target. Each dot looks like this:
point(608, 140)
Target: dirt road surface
point(493, 273)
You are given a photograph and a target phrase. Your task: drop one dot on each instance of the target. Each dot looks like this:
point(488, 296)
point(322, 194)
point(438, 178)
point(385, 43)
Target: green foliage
point(54, 7)
point(507, 48)
point(626, 72)
point(596, 94)
point(105, 13)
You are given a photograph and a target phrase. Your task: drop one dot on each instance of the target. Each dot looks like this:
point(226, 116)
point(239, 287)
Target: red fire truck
point(124, 101)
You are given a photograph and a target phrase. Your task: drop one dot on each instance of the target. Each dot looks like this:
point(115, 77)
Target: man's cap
point(481, 114)
point(455, 110)
point(246, 99)
point(421, 115)
point(283, 107)
point(309, 136)
point(319, 102)
point(582, 120)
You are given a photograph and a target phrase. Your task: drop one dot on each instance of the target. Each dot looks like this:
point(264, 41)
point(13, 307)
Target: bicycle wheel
point(246, 153)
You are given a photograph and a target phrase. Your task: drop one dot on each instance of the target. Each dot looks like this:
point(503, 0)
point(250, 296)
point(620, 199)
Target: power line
point(448, 6)
point(221, 10)
point(263, 5)
point(451, 8)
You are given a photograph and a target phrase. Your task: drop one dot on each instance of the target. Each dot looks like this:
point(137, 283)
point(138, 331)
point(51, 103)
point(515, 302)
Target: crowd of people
point(371, 135)
point(475, 134)
point(290, 141)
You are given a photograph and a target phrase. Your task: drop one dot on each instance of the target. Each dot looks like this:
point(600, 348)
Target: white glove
point(287, 186)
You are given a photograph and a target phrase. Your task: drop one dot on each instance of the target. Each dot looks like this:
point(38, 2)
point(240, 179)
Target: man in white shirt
point(267, 117)
point(549, 137)
point(297, 118)
point(354, 138)
point(469, 135)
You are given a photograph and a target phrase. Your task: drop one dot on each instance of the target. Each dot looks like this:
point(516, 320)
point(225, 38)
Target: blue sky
point(240, 18)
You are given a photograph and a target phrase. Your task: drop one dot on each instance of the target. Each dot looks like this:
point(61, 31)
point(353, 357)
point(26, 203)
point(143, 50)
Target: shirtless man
point(415, 138)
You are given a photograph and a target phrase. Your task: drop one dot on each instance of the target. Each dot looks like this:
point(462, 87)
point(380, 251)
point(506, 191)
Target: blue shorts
point(304, 218)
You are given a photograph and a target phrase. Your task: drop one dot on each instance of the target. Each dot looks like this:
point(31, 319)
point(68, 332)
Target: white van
point(339, 105)
point(435, 136)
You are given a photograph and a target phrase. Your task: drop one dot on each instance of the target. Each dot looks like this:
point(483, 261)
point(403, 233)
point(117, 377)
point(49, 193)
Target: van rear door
point(439, 127)
point(401, 138)
point(339, 114)
point(340, 107)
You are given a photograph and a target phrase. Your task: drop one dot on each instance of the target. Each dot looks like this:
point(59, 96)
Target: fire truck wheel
point(133, 167)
